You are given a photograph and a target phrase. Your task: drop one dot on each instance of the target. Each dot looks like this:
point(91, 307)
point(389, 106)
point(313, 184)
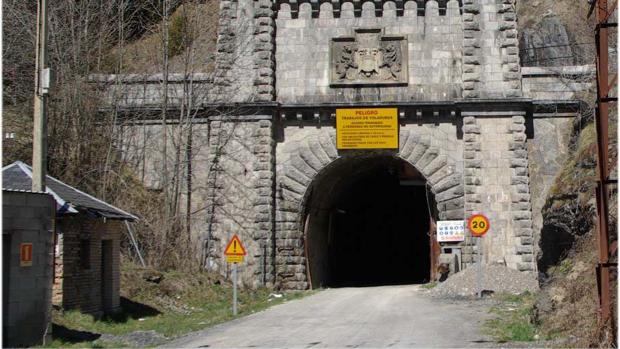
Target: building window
point(85, 253)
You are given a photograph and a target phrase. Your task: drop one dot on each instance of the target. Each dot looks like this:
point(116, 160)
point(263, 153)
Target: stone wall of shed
point(27, 290)
point(76, 287)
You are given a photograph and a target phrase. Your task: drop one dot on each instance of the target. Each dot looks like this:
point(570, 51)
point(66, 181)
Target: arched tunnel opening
point(367, 223)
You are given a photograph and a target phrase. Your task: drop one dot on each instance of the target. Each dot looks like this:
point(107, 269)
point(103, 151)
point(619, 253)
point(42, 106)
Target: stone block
point(472, 146)
point(521, 215)
point(475, 60)
point(469, 120)
point(526, 241)
point(517, 128)
point(510, 33)
point(471, 94)
point(468, 138)
point(475, 129)
point(519, 180)
point(518, 163)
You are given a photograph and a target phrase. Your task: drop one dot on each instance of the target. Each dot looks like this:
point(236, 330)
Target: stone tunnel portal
point(367, 223)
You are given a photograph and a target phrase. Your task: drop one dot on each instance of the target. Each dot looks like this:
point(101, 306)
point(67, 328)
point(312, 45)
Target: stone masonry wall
point(142, 148)
point(497, 184)
point(27, 291)
point(239, 197)
point(490, 46)
point(433, 150)
point(235, 66)
point(78, 285)
point(304, 35)
point(472, 159)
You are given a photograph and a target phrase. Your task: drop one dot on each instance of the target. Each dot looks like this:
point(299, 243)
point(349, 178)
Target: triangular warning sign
point(234, 247)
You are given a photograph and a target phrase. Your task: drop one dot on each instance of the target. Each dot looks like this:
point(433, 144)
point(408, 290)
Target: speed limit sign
point(478, 224)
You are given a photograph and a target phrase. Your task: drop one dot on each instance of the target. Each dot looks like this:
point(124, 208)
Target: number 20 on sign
point(478, 225)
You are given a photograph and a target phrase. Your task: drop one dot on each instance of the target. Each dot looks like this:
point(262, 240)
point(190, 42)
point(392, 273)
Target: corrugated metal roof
point(18, 176)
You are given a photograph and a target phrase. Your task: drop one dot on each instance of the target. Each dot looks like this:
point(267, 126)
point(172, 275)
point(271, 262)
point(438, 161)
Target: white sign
point(450, 231)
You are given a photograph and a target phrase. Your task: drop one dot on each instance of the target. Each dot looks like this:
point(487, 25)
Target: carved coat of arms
point(369, 59)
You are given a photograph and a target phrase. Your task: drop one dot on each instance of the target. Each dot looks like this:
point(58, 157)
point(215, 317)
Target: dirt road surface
point(377, 317)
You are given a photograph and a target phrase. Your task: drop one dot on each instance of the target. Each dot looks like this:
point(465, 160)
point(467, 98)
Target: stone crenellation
point(376, 8)
point(521, 206)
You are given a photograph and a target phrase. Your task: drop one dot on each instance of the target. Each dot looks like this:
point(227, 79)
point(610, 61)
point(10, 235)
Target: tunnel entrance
point(367, 223)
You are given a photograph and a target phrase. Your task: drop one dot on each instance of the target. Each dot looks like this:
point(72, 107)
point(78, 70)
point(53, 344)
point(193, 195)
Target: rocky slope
point(556, 33)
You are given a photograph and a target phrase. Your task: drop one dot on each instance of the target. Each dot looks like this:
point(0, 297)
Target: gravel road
point(386, 316)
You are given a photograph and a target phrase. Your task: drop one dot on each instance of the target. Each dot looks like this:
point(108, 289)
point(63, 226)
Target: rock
point(558, 294)
point(546, 43)
point(153, 276)
point(496, 279)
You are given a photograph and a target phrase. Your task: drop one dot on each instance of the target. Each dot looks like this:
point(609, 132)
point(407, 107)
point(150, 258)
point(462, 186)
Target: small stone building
point(27, 247)
point(87, 255)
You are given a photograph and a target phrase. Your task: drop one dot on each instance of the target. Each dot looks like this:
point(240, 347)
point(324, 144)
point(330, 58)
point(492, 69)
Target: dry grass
point(145, 54)
point(573, 291)
point(177, 304)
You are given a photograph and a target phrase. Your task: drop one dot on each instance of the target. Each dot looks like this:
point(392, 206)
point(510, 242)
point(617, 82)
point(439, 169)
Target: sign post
point(234, 252)
point(234, 288)
point(478, 225)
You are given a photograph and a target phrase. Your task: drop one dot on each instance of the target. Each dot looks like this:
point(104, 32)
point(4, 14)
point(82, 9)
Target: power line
point(563, 45)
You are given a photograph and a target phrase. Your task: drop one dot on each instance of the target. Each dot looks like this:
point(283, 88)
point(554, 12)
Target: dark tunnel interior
point(368, 225)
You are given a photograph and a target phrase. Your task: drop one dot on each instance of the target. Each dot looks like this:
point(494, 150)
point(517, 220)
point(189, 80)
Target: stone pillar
point(225, 43)
point(521, 201)
point(471, 49)
point(240, 196)
point(264, 50)
point(472, 163)
point(511, 69)
point(264, 201)
point(235, 67)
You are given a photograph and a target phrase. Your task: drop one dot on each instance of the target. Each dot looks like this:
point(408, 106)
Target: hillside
point(192, 38)
point(567, 304)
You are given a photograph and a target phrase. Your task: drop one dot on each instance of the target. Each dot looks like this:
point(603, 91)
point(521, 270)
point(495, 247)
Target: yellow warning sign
point(234, 251)
point(369, 128)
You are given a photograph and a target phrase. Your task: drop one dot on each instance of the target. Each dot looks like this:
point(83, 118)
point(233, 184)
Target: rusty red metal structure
point(604, 13)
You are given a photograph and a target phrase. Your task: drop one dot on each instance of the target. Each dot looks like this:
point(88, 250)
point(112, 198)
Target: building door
point(106, 275)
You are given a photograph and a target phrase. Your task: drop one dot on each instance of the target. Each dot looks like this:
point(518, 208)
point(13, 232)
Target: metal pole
point(603, 13)
point(479, 273)
point(135, 243)
point(39, 147)
point(235, 288)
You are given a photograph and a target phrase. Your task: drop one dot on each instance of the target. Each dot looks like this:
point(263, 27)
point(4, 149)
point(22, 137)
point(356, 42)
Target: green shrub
point(180, 35)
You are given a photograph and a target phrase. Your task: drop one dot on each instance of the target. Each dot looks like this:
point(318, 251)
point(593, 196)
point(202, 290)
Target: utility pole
point(604, 12)
point(42, 82)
